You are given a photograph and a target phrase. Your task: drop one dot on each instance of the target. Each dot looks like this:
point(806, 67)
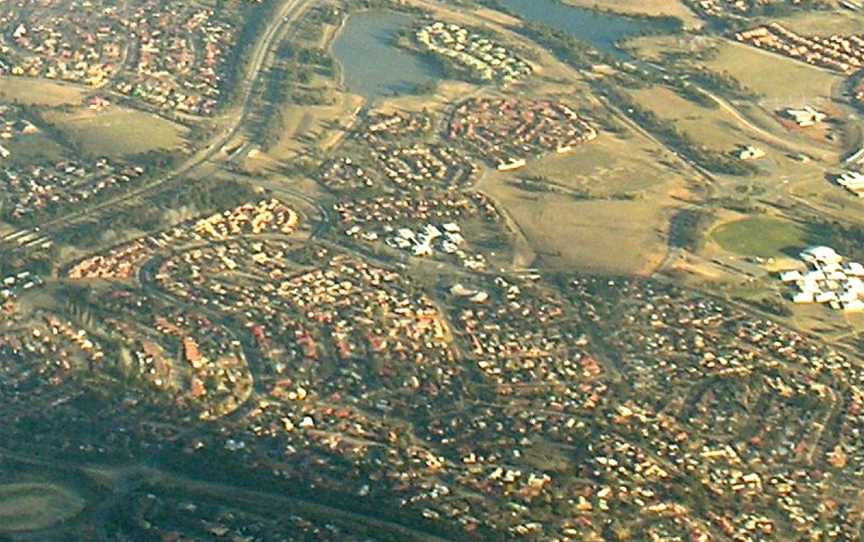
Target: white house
point(821, 255)
point(804, 296)
point(791, 276)
point(806, 116)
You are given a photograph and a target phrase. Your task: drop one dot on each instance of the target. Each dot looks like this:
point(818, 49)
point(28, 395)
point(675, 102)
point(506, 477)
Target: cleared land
point(117, 131)
point(39, 92)
point(824, 23)
point(314, 126)
point(35, 148)
point(598, 170)
point(654, 8)
point(570, 232)
point(31, 507)
point(713, 128)
point(764, 237)
point(783, 82)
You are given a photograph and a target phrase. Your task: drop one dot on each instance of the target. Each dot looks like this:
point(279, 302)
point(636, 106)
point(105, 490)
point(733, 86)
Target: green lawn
point(761, 236)
point(117, 131)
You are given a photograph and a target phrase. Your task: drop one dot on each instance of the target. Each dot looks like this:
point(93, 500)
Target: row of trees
point(670, 135)
point(198, 197)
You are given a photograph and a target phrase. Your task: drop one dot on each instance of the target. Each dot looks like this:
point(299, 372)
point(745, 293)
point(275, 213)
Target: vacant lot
point(823, 23)
point(319, 127)
point(30, 507)
point(39, 92)
point(597, 168)
point(34, 148)
point(569, 232)
point(781, 81)
point(714, 128)
point(593, 235)
point(654, 8)
point(116, 131)
point(764, 237)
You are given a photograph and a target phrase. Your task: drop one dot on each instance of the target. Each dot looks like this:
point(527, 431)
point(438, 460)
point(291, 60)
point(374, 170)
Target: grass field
point(653, 47)
point(823, 23)
point(569, 233)
point(672, 8)
point(117, 131)
point(34, 148)
point(39, 92)
point(783, 82)
point(313, 126)
point(713, 128)
point(31, 507)
point(597, 168)
point(764, 237)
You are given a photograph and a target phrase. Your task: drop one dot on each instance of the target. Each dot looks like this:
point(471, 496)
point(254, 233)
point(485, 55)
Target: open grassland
point(824, 23)
point(497, 17)
point(654, 47)
point(445, 95)
point(570, 234)
point(39, 92)
point(734, 123)
point(31, 507)
point(654, 8)
point(598, 170)
point(581, 210)
point(778, 79)
point(764, 237)
point(117, 131)
point(35, 148)
point(320, 127)
point(714, 128)
point(781, 81)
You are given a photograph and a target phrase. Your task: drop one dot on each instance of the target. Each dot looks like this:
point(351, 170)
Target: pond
point(601, 30)
point(372, 65)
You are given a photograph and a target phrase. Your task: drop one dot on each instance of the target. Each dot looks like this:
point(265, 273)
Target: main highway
point(286, 15)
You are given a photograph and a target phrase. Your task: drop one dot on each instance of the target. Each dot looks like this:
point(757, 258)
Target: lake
point(601, 30)
point(372, 66)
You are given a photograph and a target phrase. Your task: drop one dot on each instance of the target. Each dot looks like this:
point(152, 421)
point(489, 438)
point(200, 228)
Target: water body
point(372, 66)
point(601, 30)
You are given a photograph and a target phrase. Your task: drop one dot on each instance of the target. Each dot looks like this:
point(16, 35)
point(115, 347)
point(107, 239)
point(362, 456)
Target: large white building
point(806, 116)
point(853, 182)
point(827, 279)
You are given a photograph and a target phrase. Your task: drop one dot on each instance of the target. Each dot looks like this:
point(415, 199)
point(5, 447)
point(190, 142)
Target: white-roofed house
point(821, 254)
point(856, 305)
point(804, 296)
point(854, 284)
point(854, 269)
point(791, 276)
point(814, 276)
point(826, 297)
point(836, 275)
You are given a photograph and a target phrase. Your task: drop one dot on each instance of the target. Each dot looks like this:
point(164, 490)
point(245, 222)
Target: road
point(792, 146)
point(124, 480)
point(701, 172)
point(258, 368)
point(288, 13)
